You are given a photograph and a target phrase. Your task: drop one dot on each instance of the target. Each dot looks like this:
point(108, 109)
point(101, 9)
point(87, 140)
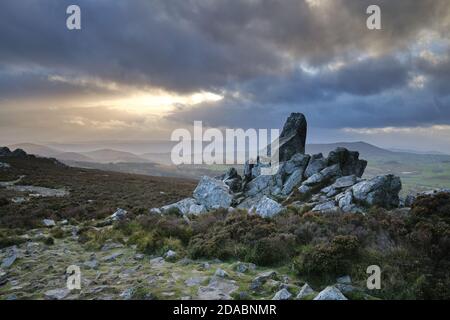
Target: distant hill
point(73, 156)
point(114, 156)
point(36, 149)
point(364, 149)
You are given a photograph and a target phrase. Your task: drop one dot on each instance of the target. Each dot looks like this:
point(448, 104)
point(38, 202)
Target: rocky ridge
point(313, 182)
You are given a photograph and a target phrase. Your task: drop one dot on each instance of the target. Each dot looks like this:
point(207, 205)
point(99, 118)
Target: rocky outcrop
point(293, 137)
point(326, 185)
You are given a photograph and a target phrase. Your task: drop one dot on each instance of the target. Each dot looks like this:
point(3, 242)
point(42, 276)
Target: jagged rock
point(244, 267)
point(213, 194)
point(186, 206)
point(340, 184)
point(233, 180)
point(217, 289)
point(316, 164)
point(306, 290)
point(293, 137)
point(348, 162)
point(195, 281)
point(379, 191)
point(344, 280)
point(170, 255)
point(57, 294)
point(283, 294)
point(48, 223)
point(221, 273)
point(330, 293)
point(261, 184)
point(324, 176)
point(5, 152)
point(120, 214)
point(326, 207)
point(295, 168)
point(345, 202)
point(10, 258)
point(266, 207)
point(261, 279)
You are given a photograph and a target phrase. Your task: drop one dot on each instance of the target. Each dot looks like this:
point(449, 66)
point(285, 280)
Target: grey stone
point(170, 255)
point(195, 281)
point(11, 257)
point(120, 214)
point(380, 191)
point(348, 162)
point(326, 207)
point(112, 257)
point(221, 273)
point(316, 164)
point(48, 222)
point(261, 278)
point(244, 267)
point(186, 206)
point(91, 264)
point(267, 208)
point(217, 289)
point(57, 294)
point(283, 294)
point(330, 293)
point(213, 194)
point(306, 290)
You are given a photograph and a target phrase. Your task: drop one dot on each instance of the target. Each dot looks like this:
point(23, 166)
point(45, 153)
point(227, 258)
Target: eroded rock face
point(213, 193)
point(379, 191)
point(293, 137)
point(266, 207)
point(348, 161)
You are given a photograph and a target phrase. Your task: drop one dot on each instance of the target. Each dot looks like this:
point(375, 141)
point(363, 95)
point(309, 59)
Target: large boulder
point(348, 161)
point(213, 193)
point(292, 171)
point(316, 164)
point(293, 137)
point(380, 191)
point(266, 207)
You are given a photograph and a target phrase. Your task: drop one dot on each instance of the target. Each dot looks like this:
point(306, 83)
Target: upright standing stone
point(293, 136)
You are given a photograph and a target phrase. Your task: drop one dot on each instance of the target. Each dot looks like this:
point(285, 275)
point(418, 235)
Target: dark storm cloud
point(252, 52)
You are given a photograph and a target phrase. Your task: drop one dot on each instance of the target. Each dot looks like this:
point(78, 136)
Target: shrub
point(334, 258)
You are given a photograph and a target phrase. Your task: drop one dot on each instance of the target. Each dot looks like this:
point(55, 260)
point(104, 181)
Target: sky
point(139, 69)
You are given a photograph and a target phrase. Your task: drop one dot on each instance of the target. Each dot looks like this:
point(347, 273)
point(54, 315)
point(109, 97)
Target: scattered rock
point(120, 214)
point(244, 267)
point(138, 256)
point(283, 294)
point(91, 264)
point(195, 281)
point(261, 279)
point(49, 223)
point(186, 206)
point(326, 207)
point(217, 289)
point(170, 255)
point(221, 273)
point(112, 257)
point(330, 293)
point(57, 294)
point(306, 290)
point(157, 261)
point(10, 258)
